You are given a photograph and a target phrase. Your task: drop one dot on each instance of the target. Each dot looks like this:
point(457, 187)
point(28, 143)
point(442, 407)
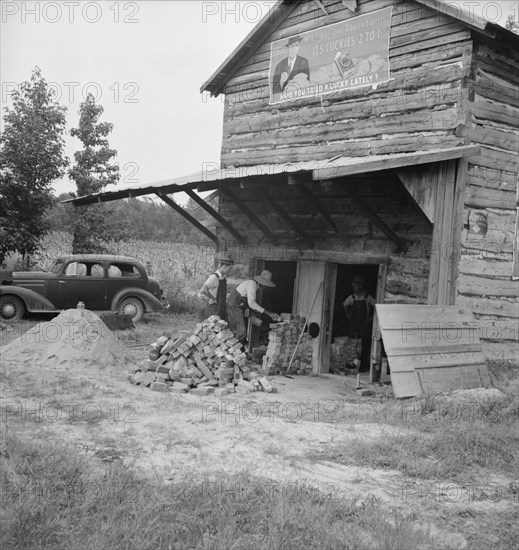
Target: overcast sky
point(145, 62)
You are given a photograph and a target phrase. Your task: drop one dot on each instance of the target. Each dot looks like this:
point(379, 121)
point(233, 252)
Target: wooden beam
point(250, 214)
point(262, 192)
point(188, 217)
point(373, 216)
point(350, 4)
point(338, 168)
point(218, 217)
point(318, 206)
point(321, 6)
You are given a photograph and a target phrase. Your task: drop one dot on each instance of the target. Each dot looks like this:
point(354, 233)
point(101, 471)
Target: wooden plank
point(187, 216)
point(454, 348)
point(490, 306)
point(262, 192)
point(447, 247)
point(318, 206)
point(484, 286)
point(416, 180)
point(418, 361)
point(450, 379)
point(398, 316)
point(216, 215)
point(460, 184)
point(434, 272)
point(371, 164)
point(437, 339)
point(405, 384)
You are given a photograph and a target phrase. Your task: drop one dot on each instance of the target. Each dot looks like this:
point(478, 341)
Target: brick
point(364, 392)
point(206, 370)
point(161, 377)
point(160, 342)
point(187, 381)
point(161, 360)
point(220, 392)
point(178, 387)
point(230, 387)
point(202, 391)
point(168, 346)
point(147, 379)
point(163, 369)
point(159, 386)
point(265, 384)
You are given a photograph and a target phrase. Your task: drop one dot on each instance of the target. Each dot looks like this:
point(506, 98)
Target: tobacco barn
point(387, 149)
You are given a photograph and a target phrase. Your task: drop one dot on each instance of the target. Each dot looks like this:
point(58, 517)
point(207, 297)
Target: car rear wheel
point(132, 306)
point(12, 308)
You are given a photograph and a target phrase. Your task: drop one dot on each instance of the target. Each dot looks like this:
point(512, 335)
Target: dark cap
point(293, 40)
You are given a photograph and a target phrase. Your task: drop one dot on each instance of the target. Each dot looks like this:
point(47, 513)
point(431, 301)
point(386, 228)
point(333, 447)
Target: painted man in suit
point(290, 67)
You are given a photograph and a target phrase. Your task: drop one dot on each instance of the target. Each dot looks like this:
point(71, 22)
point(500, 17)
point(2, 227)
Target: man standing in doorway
point(215, 289)
point(359, 308)
point(243, 297)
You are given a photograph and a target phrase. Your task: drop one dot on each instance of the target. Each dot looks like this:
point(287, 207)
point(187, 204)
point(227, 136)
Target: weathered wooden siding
point(485, 281)
point(360, 241)
point(419, 109)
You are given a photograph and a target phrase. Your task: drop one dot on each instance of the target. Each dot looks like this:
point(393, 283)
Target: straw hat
point(265, 278)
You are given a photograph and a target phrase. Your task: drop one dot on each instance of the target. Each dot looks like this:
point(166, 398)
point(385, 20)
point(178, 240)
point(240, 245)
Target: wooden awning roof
point(337, 167)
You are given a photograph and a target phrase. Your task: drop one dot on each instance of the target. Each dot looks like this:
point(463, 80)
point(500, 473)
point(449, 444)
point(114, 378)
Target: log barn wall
point(449, 86)
point(485, 268)
point(418, 109)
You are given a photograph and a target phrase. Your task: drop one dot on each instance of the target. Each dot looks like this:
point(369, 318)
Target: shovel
point(286, 375)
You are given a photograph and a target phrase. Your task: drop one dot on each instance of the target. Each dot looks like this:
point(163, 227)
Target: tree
point(512, 25)
point(92, 173)
point(31, 158)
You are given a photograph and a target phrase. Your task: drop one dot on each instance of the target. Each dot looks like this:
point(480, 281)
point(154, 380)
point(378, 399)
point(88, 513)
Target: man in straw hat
point(290, 67)
point(245, 296)
point(215, 289)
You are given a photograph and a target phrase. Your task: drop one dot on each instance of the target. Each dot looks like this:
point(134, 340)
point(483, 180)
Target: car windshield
point(56, 266)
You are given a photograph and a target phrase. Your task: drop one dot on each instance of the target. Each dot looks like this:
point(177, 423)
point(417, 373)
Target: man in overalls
point(215, 289)
point(359, 308)
point(243, 297)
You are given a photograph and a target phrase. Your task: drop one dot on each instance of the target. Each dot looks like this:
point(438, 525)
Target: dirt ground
point(170, 436)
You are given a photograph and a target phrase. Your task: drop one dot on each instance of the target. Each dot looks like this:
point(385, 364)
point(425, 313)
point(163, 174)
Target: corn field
point(163, 260)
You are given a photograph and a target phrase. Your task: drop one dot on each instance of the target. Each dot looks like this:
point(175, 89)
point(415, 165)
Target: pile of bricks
point(208, 361)
point(343, 353)
point(283, 338)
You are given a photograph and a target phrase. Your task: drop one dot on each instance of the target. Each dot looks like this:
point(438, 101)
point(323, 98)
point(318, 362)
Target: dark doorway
point(343, 289)
point(281, 298)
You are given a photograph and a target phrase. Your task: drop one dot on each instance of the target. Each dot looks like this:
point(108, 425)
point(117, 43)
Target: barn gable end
point(454, 82)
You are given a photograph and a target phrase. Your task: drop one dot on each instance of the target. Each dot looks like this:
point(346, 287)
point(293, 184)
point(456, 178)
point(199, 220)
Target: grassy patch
point(54, 498)
point(441, 451)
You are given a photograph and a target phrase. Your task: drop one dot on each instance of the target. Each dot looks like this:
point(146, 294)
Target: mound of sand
point(74, 336)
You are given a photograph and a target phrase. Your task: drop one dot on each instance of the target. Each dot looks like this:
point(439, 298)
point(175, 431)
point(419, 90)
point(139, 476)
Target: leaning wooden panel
point(431, 349)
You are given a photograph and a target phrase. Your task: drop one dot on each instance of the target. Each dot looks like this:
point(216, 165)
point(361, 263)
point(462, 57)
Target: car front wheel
point(12, 308)
point(132, 306)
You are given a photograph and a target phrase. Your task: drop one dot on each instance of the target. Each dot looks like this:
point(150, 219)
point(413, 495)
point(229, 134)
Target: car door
point(121, 275)
point(82, 281)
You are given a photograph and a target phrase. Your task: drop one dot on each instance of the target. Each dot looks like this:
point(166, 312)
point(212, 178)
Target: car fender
point(33, 301)
point(150, 302)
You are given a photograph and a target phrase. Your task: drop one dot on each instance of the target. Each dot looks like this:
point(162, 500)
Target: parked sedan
point(101, 281)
